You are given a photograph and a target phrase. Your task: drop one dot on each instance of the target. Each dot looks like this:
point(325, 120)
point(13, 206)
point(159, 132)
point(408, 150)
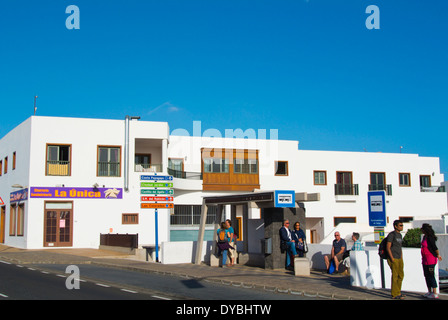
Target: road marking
point(31, 269)
point(46, 272)
point(102, 285)
point(130, 291)
point(162, 298)
point(4, 262)
point(61, 275)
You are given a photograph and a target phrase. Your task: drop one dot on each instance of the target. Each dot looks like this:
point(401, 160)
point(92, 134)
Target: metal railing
point(185, 175)
point(379, 187)
point(346, 189)
point(108, 169)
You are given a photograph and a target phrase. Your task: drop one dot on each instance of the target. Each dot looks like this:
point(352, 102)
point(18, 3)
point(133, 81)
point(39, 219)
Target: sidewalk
point(317, 285)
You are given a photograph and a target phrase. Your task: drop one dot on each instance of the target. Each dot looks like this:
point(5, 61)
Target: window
point(377, 181)
point(281, 168)
point(129, 218)
point(1, 167)
point(425, 181)
point(344, 184)
point(216, 165)
point(14, 158)
point(320, 177)
point(143, 160)
point(12, 220)
point(405, 179)
point(20, 219)
point(6, 165)
point(406, 219)
point(188, 215)
point(109, 161)
point(58, 160)
point(338, 220)
point(245, 166)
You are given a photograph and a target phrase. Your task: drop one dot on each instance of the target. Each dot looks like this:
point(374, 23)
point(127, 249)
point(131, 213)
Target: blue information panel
point(285, 198)
point(156, 178)
point(377, 208)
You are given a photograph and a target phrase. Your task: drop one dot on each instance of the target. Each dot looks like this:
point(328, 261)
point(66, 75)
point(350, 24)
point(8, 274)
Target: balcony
point(58, 168)
point(185, 175)
point(148, 167)
point(346, 189)
point(433, 189)
point(379, 187)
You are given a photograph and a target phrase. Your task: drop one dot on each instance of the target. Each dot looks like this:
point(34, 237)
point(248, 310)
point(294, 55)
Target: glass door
point(58, 225)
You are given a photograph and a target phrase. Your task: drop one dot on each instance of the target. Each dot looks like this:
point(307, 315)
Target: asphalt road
point(30, 283)
point(48, 282)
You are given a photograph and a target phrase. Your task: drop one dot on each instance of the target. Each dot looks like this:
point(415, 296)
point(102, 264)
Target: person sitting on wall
point(287, 244)
point(337, 252)
point(300, 239)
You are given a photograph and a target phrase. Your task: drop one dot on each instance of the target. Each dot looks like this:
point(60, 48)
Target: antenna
point(35, 105)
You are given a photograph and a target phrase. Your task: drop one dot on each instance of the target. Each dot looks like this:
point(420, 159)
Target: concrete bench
point(301, 266)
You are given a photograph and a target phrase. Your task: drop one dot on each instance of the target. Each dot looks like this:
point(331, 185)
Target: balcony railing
point(148, 167)
point(185, 175)
point(433, 189)
point(58, 168)
point(379, 187)
point(346, 189)
point(108, 169)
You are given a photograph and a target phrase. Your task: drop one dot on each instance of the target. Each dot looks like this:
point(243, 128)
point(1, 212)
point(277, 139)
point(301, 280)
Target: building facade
point(66, 181)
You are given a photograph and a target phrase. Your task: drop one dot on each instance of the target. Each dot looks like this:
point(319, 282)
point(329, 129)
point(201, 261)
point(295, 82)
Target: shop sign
point(76, 193)
point(20, 195)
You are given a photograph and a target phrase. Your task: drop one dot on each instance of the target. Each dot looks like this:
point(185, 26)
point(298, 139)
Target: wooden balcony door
point(58, 225)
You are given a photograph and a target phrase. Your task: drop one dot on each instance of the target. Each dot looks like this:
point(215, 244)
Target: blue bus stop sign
point(377, 208)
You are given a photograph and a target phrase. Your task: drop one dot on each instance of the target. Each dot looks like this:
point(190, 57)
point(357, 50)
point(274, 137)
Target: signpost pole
point(157, 234)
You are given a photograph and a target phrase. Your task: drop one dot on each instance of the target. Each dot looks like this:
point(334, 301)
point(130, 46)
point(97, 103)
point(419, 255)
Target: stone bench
point(301, 267)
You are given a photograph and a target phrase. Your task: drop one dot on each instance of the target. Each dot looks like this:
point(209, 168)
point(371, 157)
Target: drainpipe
point(126, 151)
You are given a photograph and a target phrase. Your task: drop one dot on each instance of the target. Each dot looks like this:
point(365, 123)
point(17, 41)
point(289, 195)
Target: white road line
point(61, 275)
point(130, 291)
point(4, 262)
point(46, 272)
point(102, 285)
point(3, 295)
point(18, 265)
point(162, 298)
point(31, 269)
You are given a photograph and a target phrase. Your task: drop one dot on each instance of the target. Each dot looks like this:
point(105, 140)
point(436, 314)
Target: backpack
point(382, 249)
point(222, 236)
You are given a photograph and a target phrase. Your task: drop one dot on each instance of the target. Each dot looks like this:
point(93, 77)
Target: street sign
point(157, 205)
point(285, 198)
point(158, 191)
point(156, 178)
point(157, 198)
point(156, 185)
point(378, 234)
point(377, 208)
point(1, 202)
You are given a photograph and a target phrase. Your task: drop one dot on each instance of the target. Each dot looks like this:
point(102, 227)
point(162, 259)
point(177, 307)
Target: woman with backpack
point(430, 255)
point(223, 243)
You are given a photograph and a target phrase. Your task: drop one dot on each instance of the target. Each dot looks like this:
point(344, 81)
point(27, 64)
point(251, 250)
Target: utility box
point(266, 245)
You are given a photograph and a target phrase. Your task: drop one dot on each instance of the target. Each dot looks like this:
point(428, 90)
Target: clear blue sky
point(310, 69)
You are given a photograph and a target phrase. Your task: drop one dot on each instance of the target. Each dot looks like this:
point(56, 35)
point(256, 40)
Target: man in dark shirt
point(337, 251)
point(395, 259)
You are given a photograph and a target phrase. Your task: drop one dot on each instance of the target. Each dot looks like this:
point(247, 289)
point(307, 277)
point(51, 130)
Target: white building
point(65, 181)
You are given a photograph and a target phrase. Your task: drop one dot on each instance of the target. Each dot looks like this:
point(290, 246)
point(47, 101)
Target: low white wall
point(183, 251)
point(365, 270)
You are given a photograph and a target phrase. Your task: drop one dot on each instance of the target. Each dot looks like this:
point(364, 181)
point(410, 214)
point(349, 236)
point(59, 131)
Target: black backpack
point(382, 249)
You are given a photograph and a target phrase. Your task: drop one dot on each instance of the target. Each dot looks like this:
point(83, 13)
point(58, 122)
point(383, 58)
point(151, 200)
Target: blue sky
point(310, 69)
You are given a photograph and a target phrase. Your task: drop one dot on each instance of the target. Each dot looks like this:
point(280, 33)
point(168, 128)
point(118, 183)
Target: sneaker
point(427, 294)
point(433, 296)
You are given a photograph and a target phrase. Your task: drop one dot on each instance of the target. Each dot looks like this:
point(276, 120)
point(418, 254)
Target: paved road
point(169, 287)
point(30, 283)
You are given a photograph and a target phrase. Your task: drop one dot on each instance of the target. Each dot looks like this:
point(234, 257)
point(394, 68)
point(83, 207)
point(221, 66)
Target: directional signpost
point(155, 198)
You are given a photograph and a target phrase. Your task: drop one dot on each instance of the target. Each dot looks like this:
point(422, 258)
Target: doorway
point(58, 224)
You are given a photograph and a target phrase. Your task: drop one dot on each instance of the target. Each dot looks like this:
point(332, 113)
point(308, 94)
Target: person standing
point(395, 259)
point(232, 242)
point(430, 255)
point(223, 243)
